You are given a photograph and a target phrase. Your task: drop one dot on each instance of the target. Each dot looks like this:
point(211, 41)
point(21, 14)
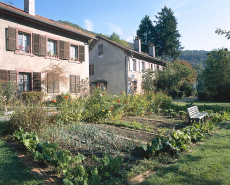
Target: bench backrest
point(192, 110)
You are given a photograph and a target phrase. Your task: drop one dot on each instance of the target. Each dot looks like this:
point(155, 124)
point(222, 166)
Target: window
point(100, 49)
point(52, 47)
point(74, 83)
point(134, 65)
point(24, 82)
point(52, 83)
point(143, 65)
point(91, 69)
point(23, 42)
point(134, 86)
point(73, 52)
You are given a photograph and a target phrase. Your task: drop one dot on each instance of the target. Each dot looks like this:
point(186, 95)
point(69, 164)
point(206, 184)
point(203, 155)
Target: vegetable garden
point(100, 139)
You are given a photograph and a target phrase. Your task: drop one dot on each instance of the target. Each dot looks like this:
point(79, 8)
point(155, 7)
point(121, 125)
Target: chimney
point(151, 49)
point(29, 7)
point(137, 44)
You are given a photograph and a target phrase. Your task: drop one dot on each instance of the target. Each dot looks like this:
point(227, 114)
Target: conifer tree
point(145, 33)
point(166, 36)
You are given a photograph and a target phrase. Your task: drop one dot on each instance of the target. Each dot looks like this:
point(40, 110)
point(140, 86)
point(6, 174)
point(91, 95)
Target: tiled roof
point(18, 11)
point(142, 54)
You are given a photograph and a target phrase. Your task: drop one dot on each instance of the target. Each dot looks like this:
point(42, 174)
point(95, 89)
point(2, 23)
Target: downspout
point(126, 74)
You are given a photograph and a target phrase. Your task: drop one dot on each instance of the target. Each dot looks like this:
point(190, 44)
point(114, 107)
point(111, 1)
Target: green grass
point(223, 104)
point(12, 170)
point(133, 125)
point(207, 164)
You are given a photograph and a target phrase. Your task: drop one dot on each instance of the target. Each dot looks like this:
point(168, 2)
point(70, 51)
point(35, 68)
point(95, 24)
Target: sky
point(197, 19)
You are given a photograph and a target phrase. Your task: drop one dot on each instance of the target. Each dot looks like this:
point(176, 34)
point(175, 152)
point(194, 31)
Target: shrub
point(29, 117)
point(32, 97)
point(204, 96)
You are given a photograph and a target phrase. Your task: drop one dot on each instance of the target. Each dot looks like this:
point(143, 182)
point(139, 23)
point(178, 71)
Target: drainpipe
point(126, 74)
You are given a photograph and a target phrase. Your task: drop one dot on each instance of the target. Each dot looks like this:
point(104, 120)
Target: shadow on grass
point(12, 170)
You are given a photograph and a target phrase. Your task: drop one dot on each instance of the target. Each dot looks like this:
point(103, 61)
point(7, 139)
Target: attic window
point(100, 49)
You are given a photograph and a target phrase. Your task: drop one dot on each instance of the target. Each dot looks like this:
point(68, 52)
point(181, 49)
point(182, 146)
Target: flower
point(102, 93)
point(66, 97)
point(149, 103)
point(54, 101)
point(51, 109)
point(121, 92)
point(97, 85)
point(125, 101)
point(118, 101)
point(103, 110)
point(111, 108)
point(109, 111)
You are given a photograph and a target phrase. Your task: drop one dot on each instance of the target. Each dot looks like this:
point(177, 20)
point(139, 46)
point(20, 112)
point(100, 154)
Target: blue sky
point(197, 19)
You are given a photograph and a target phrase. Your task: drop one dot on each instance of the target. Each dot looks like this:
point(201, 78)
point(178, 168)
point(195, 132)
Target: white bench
point(194, 114)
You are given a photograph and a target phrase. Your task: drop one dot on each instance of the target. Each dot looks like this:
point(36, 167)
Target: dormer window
point(100, 49)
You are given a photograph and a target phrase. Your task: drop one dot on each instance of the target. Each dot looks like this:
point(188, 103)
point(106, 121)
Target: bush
point(204, 96)
point(29, 117)
point(32, 97)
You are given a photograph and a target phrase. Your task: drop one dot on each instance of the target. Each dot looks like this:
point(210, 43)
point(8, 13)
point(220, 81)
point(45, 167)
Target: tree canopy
point(216, 74)
point(145, 33)
point(223, 32)
point(163, 34)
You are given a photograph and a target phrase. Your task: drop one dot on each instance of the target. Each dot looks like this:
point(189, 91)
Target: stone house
point(118, 68)
point(31, 44)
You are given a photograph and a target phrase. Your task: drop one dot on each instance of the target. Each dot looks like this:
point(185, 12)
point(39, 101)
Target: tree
point(145, 33)
point(223, 32)
point(115, 37)
point(176, 75)
point(166, 35)
point(216, 74)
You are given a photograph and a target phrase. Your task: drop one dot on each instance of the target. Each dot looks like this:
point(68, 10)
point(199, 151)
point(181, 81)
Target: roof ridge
point(44, 19)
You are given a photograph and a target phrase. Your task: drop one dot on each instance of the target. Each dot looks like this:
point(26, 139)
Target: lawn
point(207, 164)
point(12, 170)
point(201, 103)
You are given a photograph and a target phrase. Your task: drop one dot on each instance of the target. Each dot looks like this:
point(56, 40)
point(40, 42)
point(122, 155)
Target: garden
point(103, 138)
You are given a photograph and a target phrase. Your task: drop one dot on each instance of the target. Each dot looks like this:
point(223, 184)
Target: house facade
point(31, 46)
point(118, 68)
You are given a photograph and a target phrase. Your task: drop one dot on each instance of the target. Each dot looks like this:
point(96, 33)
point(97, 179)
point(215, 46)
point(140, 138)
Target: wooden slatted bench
point(194, 114)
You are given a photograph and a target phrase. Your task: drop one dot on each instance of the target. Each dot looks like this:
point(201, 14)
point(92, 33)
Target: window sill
point(23, 53)
point(51, 58)
point(74, 61)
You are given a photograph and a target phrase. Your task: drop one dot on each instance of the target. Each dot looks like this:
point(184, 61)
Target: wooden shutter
point(66, 49)
point(78, 88)
point(11, 41)
point(72, 84)
point(130, 64)
point(62, 49)
point(37, 81)
point(52, 83)
point(92, 69)
point(42, 47)
point(82, 53)
point(13, 78)
point(4, 77)
point(56, 83)
point(36, 43)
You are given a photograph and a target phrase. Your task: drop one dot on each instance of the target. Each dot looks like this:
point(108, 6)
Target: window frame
point(56, 57)
point(18, 51)
point(29, 84)
point(76, 91)
point(76, 49)
point(91, 69)
point(134, 66)
point(100, 50)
